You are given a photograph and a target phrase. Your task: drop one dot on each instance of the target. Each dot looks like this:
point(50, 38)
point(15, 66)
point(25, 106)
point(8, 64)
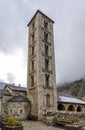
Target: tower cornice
point(38, 11)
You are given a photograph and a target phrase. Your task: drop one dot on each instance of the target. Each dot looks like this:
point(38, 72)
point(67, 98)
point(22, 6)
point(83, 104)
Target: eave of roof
point(17, 88)
point(38, 11)
point(69, 99)
point(19, 98)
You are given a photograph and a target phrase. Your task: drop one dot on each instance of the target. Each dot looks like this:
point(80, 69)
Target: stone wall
point(20, 110)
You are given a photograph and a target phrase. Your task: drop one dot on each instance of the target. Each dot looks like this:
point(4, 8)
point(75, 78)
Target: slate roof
point(19, 98)
point(17, 88)
point(69, 99)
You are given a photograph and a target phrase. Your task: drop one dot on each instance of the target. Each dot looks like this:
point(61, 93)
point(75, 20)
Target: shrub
point(13, 122)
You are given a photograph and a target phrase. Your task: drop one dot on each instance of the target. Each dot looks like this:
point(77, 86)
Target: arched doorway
point(71, 108)
point(61, 107)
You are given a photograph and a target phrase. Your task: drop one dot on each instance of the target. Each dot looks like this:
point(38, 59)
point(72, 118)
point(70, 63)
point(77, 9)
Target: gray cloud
point(69, 32)
point(10, 78)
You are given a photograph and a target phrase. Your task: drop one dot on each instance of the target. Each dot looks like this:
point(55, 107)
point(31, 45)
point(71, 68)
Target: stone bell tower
point(41, 78)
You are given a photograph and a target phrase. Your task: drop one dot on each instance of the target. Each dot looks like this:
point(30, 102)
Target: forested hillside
point(76, 89)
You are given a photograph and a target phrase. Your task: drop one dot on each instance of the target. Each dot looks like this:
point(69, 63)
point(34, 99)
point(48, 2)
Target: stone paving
point(37, 125)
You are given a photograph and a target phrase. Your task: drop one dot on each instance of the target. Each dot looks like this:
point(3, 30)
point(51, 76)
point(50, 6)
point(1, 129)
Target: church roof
point(38, 11)
point(69, 99)
point(19, 98)
point(16, 88)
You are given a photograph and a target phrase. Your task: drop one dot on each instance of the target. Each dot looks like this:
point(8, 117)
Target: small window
point(32, 50)
point(32, 80)
point(33, 26)
point(45, 36)
point(33, 65)
point(45, 24)
point(46, 49)
point(33, 37)
point(46, 80)
point(46, 64)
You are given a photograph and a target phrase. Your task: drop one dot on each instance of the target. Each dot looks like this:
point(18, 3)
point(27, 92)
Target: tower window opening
point(46, 49)
point(46, 36)
point(32, 80)
point(33, 26)
point(45, 24)
point(33, 65)
point(46, 80)
point(32, 50)
point(33, 37)
point(46, 64)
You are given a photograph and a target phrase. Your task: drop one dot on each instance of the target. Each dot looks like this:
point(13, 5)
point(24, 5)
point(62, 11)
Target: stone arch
point(71, 108)
point(79, 109)
point(61, 107)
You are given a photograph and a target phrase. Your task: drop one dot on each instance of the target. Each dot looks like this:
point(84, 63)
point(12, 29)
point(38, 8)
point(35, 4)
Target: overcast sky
point(69, 37)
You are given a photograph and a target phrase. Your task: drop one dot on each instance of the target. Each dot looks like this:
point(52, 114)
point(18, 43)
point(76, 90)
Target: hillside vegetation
point(76, 89)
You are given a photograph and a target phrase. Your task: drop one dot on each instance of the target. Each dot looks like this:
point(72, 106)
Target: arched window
point(79, 109)
point(32, 80)
point(33, 26)
point(45, 24)
point(61, 107)
point(46, 80)
point(48, 100)
point(33, 37)
point(46, 64)
point(71, 108)
point(33, 50)
point(46, 49)
point(33, 65)
point(46, 36)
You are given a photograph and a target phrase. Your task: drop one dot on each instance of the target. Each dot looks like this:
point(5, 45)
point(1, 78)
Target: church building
point(40, 97)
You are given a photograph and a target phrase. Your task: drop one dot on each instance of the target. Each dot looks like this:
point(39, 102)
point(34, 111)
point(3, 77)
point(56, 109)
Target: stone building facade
point(41, 78)
point(14, 102)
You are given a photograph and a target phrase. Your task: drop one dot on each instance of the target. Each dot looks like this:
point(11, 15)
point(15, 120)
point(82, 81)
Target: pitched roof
point(38, 11)
point(19, 98)
point(16, 88)
point(68, 99)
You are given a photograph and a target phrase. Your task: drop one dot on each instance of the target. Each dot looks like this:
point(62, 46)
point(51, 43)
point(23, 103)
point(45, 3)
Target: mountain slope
point(76, 89)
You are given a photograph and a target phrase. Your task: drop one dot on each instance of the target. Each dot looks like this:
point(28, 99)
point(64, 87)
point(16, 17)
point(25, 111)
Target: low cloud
point(10, 78)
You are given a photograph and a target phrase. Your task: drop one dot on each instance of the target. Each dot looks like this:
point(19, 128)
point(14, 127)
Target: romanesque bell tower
point(41, 78)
